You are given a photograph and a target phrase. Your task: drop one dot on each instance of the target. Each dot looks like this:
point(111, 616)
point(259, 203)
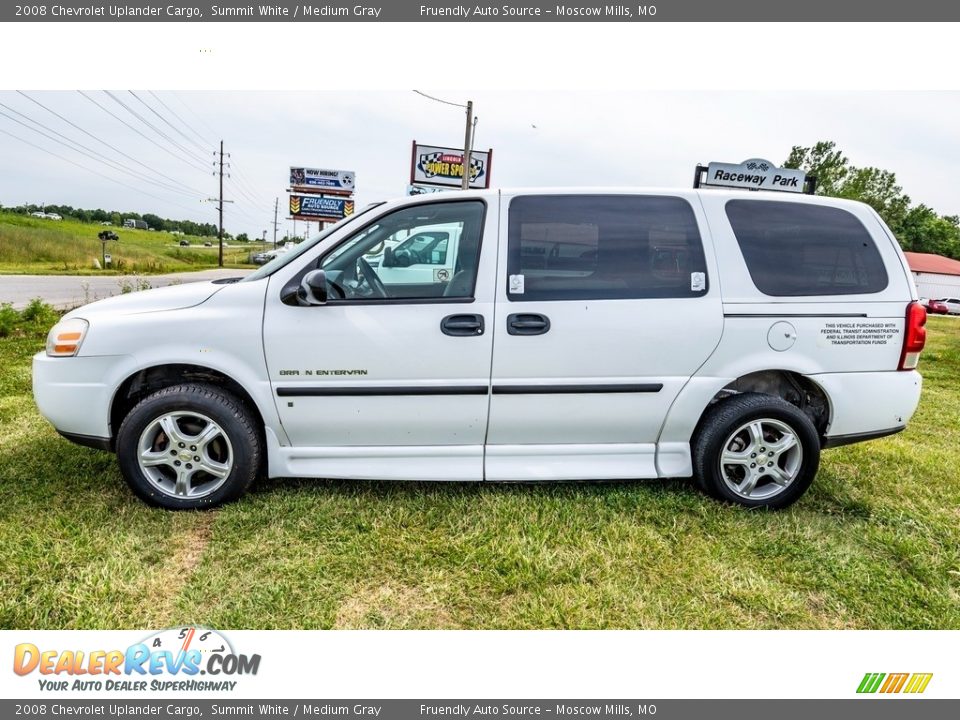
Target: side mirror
point(388, 259)
point(313, 288)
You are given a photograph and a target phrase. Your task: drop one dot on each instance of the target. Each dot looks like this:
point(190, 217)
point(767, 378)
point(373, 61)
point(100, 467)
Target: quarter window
point(794, 249)
point(591, 247)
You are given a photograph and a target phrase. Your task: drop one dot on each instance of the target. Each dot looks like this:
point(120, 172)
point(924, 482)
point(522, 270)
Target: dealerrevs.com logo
point(891, 683)
point(173, 659)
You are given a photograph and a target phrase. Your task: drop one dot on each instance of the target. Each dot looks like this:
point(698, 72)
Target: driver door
point(389, 370)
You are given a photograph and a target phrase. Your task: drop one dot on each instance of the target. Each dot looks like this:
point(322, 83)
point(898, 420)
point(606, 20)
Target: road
point(67, 291)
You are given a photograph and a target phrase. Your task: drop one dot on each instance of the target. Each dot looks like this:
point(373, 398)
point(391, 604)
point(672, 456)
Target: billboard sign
point(314, 207)
point(443, 166)
point(424, 189)
point(340, 182)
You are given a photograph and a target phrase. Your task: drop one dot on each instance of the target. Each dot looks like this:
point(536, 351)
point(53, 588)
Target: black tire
point(718, 426)
point(238, 443)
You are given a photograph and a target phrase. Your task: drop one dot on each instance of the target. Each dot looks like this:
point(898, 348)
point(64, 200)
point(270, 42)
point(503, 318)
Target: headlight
point(65, 337)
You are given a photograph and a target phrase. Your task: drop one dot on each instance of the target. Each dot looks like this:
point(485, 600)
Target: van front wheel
point(755, 450)
point(189, 446)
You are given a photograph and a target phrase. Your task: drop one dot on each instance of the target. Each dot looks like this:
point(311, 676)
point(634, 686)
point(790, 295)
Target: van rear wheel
point(755, 450)
point(189, 446)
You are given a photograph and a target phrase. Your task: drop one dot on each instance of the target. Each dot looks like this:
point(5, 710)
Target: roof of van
point(930, 263)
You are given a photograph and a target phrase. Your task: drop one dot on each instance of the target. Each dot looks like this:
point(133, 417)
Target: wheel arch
point(148, 380)
point(799, 390)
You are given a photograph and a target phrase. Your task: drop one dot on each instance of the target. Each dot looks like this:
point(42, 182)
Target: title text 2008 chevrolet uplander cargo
point(535, 335)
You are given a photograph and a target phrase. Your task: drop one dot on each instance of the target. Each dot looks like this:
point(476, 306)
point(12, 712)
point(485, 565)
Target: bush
point(35, 319)
point(8, 319)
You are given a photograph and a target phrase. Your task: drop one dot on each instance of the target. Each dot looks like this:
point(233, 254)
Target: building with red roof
point(936, 276)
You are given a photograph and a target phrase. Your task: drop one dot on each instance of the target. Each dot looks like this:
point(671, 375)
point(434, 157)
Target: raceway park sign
point(314, 207)
point(443, 166)
point(755, 174)
point(318, 180)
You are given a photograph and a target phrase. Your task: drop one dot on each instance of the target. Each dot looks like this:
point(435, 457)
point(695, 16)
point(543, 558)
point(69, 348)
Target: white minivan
point(598, 334)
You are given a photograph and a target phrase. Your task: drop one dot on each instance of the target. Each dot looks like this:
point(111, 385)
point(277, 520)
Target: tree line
point(188, 227)
point(918, 228)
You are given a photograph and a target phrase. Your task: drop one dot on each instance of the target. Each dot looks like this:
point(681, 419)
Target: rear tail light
point(914, 336)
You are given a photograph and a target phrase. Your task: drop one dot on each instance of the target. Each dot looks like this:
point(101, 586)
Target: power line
point(178, 117)
point(436, 99)
point(138, 116)
point(196, 115)
point(204, 170)
point(105, 143)
point(105, 177)
point(175, 128)
point(84, 150)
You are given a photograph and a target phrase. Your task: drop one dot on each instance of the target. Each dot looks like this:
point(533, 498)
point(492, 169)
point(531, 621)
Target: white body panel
point(459, 415)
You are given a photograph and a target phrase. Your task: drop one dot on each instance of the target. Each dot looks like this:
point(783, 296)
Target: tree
point(154, 221)
point(922, 230)
point(919, 228)
point(242, 237)
point(825, 162)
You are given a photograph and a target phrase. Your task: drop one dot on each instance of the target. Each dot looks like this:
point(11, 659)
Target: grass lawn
point(874, 544)
point(36, 246)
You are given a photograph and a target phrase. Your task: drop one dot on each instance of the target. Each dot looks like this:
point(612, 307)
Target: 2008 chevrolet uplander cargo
point(581, 334)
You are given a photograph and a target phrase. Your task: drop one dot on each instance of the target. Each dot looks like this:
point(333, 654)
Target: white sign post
point(754, 174)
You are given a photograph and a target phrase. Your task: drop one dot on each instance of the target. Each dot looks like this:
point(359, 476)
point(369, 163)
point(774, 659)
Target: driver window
point(420, 252)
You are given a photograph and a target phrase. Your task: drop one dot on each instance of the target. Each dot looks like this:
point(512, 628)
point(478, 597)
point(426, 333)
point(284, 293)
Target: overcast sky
point(538, 138)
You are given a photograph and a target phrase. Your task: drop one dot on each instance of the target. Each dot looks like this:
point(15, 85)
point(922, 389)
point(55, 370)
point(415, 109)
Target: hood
point(172, 297)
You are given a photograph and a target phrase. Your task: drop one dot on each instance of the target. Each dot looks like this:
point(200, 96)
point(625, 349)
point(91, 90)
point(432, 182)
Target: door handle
point(527, 324)
point(462, 325)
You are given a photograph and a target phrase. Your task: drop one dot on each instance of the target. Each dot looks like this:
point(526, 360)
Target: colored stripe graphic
point(918, 683)
point(894, 683)
point(870, 682)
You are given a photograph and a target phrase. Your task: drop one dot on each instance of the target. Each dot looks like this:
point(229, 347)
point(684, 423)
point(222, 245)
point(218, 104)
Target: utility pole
point(220, 203)
point(467, 145)
point(276, 205)
point(220, 256)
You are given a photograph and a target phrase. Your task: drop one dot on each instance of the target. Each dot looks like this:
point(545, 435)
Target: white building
point(936, 276)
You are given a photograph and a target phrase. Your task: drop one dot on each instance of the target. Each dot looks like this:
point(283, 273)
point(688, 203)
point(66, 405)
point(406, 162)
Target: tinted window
point(581, 247)
point(798, 249)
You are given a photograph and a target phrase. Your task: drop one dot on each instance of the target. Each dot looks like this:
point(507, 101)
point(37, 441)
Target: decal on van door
point(859, 332)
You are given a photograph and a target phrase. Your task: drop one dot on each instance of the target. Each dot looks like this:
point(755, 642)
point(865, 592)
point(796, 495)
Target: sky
point(539, 138)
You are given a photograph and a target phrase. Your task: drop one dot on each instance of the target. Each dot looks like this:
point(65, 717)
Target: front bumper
point(75, 393)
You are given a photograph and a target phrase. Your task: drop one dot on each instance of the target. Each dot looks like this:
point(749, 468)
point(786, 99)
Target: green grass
point(48, 247)
point(874, 544)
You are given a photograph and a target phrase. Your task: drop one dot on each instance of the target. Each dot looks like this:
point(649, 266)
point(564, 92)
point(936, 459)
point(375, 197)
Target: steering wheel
point(372, 279)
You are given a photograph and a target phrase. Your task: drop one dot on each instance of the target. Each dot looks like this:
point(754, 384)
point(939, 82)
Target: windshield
point(284, 258)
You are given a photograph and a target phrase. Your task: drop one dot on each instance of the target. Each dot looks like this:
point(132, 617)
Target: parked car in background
point(38, 214)
point(934, 306)
point(184, 243)
point(952, 304)
point(53, 216)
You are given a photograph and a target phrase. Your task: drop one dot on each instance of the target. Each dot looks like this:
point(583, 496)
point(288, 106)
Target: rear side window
point(794, 249)
point(592, 247)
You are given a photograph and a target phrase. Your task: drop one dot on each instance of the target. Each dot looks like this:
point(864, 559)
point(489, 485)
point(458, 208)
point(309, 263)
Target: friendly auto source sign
point(443, 166)
point(312, 207)
point(317, 179)
point(755, 174)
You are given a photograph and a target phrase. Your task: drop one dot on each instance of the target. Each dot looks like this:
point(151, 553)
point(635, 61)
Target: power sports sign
point(334, 182)
point(443, 166)
point(315, 207)
point(753, 174)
